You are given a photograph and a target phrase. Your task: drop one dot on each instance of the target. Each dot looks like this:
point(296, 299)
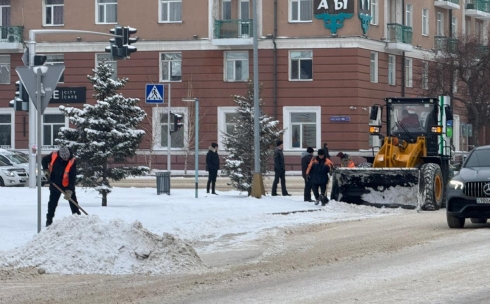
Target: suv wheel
point(455, 222)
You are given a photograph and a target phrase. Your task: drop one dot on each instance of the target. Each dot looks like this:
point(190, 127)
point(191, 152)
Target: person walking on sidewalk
point(305, 161)
point(60, 167)
point(279, 170)
point(325, 149)
point(317, 172)
point(212, 166)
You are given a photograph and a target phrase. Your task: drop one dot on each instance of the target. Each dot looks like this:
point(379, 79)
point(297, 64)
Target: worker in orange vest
point(346, 160)
point(60, 168)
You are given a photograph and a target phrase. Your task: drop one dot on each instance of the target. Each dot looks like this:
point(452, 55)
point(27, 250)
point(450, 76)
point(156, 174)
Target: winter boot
point(324, 200)
point(49, 221)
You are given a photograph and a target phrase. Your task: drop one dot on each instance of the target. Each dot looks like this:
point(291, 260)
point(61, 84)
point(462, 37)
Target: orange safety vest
point(351, 164)
point(66, 179)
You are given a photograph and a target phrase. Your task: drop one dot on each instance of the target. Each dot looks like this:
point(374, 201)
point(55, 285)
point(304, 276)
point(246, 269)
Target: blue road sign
point(154, 93)
point(340, 118)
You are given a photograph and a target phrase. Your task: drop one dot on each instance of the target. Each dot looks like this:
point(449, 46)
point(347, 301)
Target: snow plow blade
point(379, 187)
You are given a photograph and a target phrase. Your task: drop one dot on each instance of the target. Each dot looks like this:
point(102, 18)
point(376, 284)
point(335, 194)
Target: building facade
point(322, 63)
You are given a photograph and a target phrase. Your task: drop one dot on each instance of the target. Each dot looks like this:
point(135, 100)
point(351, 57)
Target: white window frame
point(49, 61)
point(425, 22)
point(156, 112)
point(104, 5)
point(11, 112)
point(299, 65)
point(454, 26)
point(112, 62)
point(468, 27)
point(440, 24)
point(246, 65)
point(298, 3)
point(392, 70)
point(408, 72)
point(409, 15)
point(52, 8)
point(51, 111)
point(169, 62)
point(170, 5)
point(223, 9)
point(222, 111)
point(5, 67)
point(425, 75)
point(373, 67)
point(374, 12)
point(286, 114)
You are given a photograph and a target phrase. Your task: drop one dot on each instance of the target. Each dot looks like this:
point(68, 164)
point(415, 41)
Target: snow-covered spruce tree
point(105, 134)
point(239, 164)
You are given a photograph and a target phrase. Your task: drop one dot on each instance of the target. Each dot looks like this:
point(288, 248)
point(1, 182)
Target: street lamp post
point(196, 141)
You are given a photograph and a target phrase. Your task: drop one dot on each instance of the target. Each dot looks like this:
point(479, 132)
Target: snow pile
point(397, 195)
point(87, 245)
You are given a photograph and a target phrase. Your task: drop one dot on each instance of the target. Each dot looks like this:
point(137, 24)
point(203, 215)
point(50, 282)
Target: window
point(301, 65)
point(225, 122)
point(106, 11)
point(226, 9)
point(5, 69)
point(171, 66)
point(454, 27)
point(177, 139)
point(5, 19)
point(374, 12)
point(425, 22)
point(440, 24)
point(468, 27)
point(53, 12)
point(478, 30)
point(408, 72)
point(52, 122)
point(303, 127)
point(170, 10)
point(392, 70)
point(236, 66)
point(56, 59)
point(109, 60)
point(244, 9)
point(300, 10)
point(374, 67)
point(425, 75)
point(6, 123)
point(408, 15)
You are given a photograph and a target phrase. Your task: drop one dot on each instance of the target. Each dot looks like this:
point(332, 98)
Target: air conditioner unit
point(11, 38)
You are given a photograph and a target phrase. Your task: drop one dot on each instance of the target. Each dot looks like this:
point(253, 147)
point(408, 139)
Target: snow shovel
point(70, 199)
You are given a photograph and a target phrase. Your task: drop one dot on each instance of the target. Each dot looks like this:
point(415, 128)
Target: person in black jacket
point(279, 171)
point(60, 168)
point(325, 149)
point(305, 161)
point(212, 166)
point(317, 173)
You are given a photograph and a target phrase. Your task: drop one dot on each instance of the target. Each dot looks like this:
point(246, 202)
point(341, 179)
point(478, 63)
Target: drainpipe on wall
point(274, 89)
point(403, 53)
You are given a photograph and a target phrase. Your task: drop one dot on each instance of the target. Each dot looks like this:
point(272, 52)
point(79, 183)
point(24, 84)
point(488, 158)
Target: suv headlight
point(8, 173)
point(456, 185)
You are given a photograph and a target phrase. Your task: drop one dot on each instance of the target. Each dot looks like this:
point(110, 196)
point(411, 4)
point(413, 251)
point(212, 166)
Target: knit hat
point(321, 152)
point(64, 153)
point(279, 142)
point(341, 155)
point(214, 145)
point(324, 144)
point(310, 150)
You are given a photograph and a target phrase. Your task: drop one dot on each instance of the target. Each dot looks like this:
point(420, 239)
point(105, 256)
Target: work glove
point(47, 174)
point(68, 194)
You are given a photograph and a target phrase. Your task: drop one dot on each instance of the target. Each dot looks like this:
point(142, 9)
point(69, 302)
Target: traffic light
point(177, 121)
point(116, 48)
point(21, 99)
point(128, 40)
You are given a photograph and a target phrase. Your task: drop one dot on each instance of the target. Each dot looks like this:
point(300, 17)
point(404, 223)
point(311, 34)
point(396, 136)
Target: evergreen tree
point(105, 133)
point(239, 164)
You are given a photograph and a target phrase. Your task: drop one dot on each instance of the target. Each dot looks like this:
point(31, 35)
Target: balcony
point(478, 9)
point(11, 37)
point(399, 38)
point(445, 44)
point(447, 4)
point(233, 32)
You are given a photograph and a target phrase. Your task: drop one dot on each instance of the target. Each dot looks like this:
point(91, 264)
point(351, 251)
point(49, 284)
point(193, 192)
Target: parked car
point(11, 176)
point(18, 159)
point(468, 192)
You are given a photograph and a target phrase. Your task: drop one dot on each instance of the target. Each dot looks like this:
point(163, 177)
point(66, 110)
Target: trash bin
point(163, 182)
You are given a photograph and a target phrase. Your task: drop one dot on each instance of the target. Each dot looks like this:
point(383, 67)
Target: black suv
point(468, 193)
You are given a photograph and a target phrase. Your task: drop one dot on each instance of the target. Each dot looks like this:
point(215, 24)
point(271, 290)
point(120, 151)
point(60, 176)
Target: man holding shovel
point(60, 168)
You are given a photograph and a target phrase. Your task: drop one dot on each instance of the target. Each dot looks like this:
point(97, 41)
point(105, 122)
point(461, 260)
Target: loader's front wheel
point(431, 187)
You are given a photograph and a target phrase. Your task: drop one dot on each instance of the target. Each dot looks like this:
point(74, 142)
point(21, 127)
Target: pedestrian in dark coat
point(317, 172)
point(305, 161)
point(279, 171)
point(60, 167)
point(212, 166)
point(325, 149)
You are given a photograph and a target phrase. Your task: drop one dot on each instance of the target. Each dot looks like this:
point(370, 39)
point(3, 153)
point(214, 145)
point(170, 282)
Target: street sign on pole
point(50, 76)
point(154, 93)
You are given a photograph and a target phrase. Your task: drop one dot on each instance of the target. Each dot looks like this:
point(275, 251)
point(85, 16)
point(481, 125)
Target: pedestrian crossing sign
point(154, 93)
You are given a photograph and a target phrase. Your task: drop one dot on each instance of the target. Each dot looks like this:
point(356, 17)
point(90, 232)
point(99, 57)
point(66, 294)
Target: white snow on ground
point(393, 195)
point(142, 232)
